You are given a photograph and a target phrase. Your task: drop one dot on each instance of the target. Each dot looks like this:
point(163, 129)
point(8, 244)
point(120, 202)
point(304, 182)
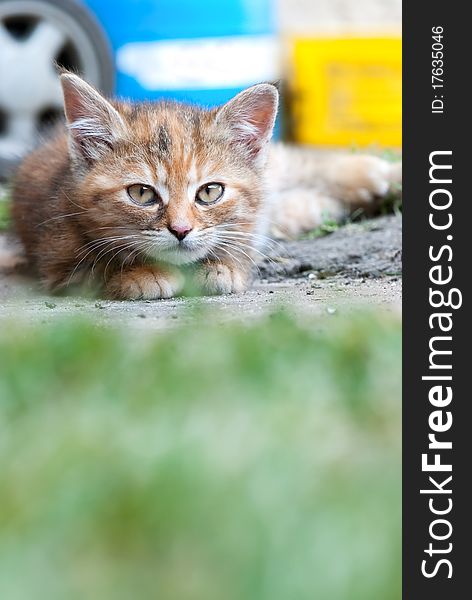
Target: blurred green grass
point(4, 209)
point(203, 463)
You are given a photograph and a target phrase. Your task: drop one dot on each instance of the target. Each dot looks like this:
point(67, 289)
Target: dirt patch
point(358, 265)
point(368, 249)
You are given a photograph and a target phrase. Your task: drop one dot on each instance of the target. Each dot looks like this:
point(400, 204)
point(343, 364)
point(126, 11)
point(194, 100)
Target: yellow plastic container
point(347, 91)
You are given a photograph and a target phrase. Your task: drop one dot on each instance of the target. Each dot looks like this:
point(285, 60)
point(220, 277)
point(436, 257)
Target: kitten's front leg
point(223, 277)
point(145, 283)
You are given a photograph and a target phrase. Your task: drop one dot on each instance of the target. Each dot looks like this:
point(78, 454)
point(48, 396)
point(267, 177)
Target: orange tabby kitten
point(130, 192)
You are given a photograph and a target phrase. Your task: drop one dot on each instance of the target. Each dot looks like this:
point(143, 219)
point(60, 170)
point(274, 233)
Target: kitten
point(128, 193)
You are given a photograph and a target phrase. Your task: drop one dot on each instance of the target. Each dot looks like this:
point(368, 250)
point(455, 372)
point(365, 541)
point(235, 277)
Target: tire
point(35, 37)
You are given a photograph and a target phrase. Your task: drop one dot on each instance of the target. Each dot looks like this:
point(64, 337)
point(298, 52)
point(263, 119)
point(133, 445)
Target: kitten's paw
point(361, 179)
point(145, 283)
point(220, 278)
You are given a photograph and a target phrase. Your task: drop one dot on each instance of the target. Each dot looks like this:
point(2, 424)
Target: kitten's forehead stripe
point(163, 141)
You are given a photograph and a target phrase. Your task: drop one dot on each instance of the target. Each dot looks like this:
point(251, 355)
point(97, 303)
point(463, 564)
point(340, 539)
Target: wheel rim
point(34, 38)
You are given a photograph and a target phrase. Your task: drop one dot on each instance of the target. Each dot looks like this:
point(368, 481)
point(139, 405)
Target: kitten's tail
point(310, 187)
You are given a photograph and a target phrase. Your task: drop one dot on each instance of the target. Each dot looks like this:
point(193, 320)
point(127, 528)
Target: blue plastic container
point(202, 51)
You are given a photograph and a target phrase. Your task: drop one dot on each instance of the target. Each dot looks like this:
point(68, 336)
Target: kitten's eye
point(209, 193)
point(144, 195)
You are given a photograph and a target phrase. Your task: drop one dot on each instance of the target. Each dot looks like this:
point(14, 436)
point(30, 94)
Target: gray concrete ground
point(357, 266)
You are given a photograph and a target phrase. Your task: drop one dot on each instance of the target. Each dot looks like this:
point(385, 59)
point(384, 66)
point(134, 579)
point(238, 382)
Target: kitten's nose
point(180, 231)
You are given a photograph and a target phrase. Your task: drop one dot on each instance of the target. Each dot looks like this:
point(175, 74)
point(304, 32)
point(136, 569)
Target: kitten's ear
point(251, 116)
point(94, 125)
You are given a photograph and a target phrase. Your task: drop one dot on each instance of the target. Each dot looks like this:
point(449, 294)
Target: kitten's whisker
point(102, 242)
point(249, 233)
point(95, 244)
point(137, 252)
point(231, 224)
point(134, 250)
point(97, 240)
point(231, 256)
point(213, 255)
point(59, 217)
point(104, 251)
point(250, 247)
point(259, 239)
point(239, 224)
point(95, 247)
point(266, 219)
point(78, 265)
point(107, 227)
point(72, 202)
point(252, 234)
point(120, 249)
point(240, 250)
point(237, 236)
point(240, 247)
